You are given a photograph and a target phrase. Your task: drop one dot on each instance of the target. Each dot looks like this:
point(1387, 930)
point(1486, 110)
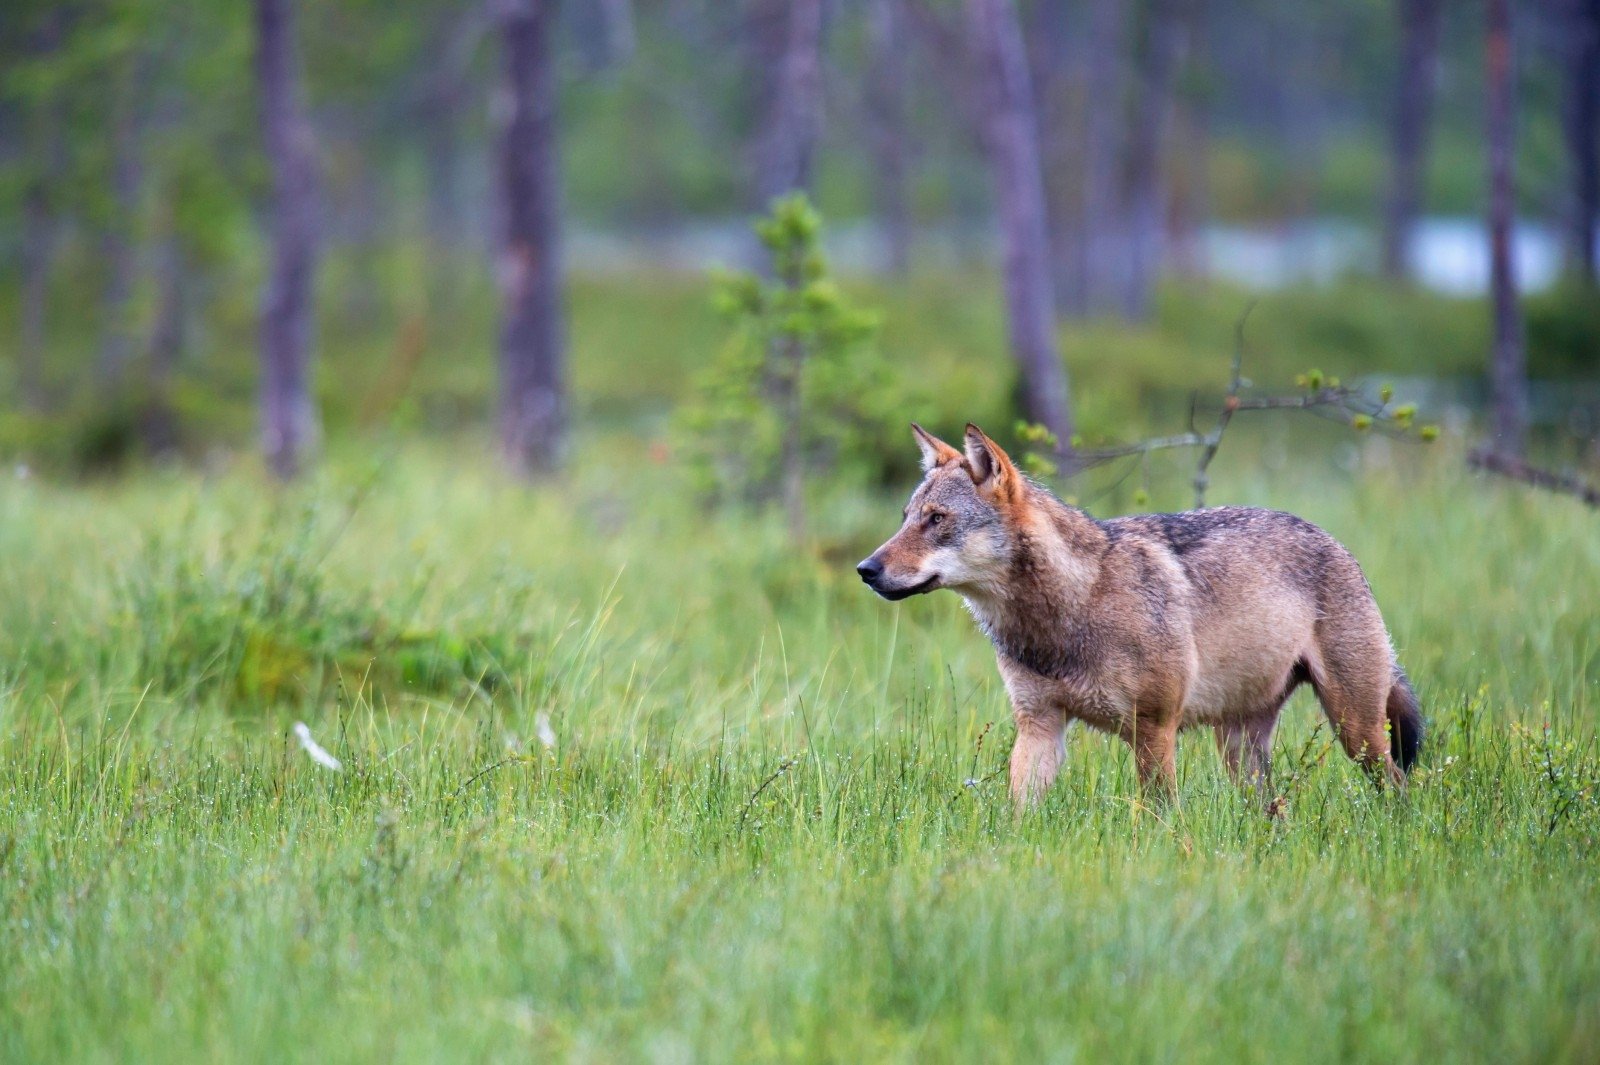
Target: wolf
point(1145, 625)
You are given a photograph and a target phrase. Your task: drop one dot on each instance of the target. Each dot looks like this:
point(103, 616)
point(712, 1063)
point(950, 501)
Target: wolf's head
point(957, 531)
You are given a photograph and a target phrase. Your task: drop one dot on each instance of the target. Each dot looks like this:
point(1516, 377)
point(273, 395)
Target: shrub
point(800, 384)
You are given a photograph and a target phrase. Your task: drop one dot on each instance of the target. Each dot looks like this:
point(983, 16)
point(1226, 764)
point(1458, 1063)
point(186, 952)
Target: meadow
point(623, 778)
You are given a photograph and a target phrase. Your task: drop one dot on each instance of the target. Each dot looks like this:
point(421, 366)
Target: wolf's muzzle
point(871, 572)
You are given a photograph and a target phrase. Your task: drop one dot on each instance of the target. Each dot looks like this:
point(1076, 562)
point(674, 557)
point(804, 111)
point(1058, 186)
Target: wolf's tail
point(1405, 721)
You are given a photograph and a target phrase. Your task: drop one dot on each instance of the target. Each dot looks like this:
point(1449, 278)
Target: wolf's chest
point(1076, 670)
point(1094, 697)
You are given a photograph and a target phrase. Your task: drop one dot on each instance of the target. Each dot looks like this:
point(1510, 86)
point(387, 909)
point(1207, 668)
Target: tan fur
point(1146, 625)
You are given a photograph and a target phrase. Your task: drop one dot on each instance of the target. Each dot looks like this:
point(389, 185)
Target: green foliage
point(94, 437)
point(1038, 444)
point(256, 624)
point(801, 359)
point(1564, 332)
point(98, 433)
point(259, 622)
point(1361, 412)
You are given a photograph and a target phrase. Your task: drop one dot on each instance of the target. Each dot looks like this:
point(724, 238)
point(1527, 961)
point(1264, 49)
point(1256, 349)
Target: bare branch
point(1086, 458)
point(1333, 400)
point(1516, 469)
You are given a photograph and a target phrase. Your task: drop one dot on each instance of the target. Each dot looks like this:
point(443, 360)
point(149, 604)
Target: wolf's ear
point(991, 466)
point(935, 452)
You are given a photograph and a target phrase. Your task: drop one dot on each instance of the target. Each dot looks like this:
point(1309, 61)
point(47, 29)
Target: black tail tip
point(1405, 723)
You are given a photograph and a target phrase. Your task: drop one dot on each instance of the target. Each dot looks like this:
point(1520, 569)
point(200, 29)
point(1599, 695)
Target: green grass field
point(625, 780)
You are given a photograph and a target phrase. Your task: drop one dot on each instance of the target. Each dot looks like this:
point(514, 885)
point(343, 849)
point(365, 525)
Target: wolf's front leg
point(1038, 754)
point(1155, 748)
point(1246, 747)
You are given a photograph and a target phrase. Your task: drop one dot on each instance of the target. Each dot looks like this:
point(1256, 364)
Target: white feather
point(318, 753)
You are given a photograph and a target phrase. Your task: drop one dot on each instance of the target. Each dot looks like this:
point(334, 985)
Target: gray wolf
point(1144, 625)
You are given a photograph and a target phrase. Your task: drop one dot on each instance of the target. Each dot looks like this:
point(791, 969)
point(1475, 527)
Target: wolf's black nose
point(870, 570)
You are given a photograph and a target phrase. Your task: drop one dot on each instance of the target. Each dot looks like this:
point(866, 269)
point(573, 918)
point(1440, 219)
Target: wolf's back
point(1214, 543)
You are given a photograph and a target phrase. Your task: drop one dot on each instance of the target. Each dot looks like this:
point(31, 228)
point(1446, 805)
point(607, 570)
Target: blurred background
point(287, 226)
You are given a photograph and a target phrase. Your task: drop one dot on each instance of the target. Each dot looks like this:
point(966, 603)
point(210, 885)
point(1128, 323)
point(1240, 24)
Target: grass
point(769, 826)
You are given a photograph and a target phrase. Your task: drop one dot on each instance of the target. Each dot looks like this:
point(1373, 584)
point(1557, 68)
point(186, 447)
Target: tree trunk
point(1508, 371)
point(447, 92)
point(1582, 123)
point(168, 334)
point(1191, 197)
point(1101, 246)
point(1144, 185)
point(441, 115)
point(1414, 92)
point(288, 419)
point(118, 245)
point(886, 113)
point(621, 37)
point(160, 427)
point(604, 32)
point(1057, 77)
point(441, 120)
point(38, 253)
point(794, 118)
point(533, 399)
point(1012, 142)
point(1299, 104)
point(40, 226)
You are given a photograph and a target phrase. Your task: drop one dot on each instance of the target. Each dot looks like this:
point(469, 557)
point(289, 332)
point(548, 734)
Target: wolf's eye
point(935, 518)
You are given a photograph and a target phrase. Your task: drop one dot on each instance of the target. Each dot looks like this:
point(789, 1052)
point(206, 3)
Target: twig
point(485, 771)
point(1333, 401)
point(1084, 458)
point(977, 751)
point(783, 767)
point(1517, 470)
point(974, 783)
point(1202, 479)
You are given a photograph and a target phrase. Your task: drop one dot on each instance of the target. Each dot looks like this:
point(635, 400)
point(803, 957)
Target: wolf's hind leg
point(1037, 756)
point(1246, 748)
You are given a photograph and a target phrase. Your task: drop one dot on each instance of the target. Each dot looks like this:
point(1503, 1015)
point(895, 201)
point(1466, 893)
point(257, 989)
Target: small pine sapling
point(800, 383)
